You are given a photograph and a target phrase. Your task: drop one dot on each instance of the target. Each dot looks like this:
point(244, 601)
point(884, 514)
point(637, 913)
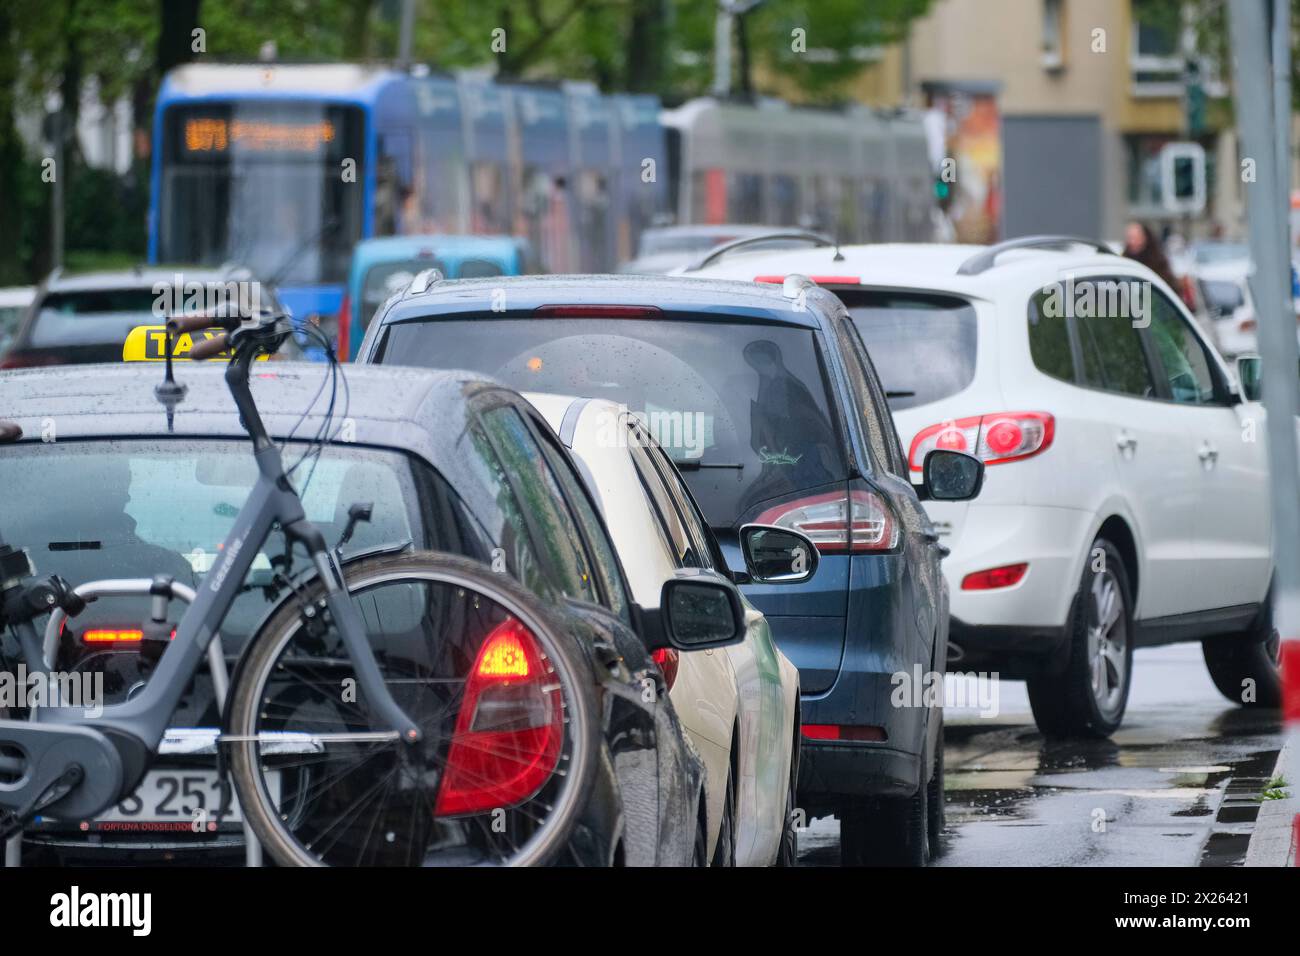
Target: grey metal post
point(1256, 116)
point(406, 29)
point(1281, 29)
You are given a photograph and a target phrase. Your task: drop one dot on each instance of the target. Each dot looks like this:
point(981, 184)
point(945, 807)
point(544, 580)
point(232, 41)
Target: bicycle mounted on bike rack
point(68, 765)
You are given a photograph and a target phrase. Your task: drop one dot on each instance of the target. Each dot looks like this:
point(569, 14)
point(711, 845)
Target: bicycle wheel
point(501, 693)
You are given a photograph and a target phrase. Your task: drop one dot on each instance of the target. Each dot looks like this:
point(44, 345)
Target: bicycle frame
point(271, 502)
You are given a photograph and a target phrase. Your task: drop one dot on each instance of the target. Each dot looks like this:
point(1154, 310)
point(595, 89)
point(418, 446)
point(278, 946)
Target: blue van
point(381, 267)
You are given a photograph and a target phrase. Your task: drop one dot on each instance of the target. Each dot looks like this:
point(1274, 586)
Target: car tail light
point(595, 311)
point(1008, 575)
point(1246, 325)
point(993, 439)
point(668, 660)
point(345, 328)
point(820, 280)
point(839, 522)
point(19, 360)
point(506, 742)
point(843, 732)
point(106, 635)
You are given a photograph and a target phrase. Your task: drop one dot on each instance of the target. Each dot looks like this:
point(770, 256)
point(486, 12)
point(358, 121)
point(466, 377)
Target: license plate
point(186, 798)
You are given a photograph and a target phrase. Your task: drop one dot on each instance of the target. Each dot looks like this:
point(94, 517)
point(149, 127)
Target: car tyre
point(724, 854)
point(1088, 696)
point(886, 831)
point(788, 853)
point(1254, 656)
point(936, 814)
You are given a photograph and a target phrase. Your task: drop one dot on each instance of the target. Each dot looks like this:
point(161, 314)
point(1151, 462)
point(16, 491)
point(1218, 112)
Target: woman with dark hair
point(1141, 244)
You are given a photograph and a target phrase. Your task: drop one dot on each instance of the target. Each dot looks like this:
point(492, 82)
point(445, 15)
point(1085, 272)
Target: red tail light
point(19, 360)
point(843, 732)
point(595, 311)
point(104, 635)
point(1006, 576)
point(508, 732)
point(993, 439)
point(668, 660)
point(345, 328)
point(839, 522)
point(820, 280)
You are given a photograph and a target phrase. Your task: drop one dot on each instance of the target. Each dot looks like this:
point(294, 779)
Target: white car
point(740, 705)
point(1126, 498)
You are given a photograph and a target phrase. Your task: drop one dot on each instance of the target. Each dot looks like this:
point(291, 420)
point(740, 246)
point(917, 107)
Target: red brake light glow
point(345, 328)
point(506, 742)
point(1009, 575)
point(839, 522)
point(595, 311)
point(843, 732)
point(105, 635)
point(820, 280)
point(993, 439)
point(668, 659)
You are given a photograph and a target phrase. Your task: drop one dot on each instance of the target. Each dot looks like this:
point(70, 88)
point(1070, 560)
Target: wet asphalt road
point(1176, 786)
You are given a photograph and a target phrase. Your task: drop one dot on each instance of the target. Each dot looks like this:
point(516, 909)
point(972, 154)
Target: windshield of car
point(1207, 252)
point(139, 508)
point(923, 346)
point(743, 409)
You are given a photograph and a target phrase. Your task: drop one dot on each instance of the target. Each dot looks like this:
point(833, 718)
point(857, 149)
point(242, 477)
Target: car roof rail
point(423, 279)
point(795, 235)
point(985, 259)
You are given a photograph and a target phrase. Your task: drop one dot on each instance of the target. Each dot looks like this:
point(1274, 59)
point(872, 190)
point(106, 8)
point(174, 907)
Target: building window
point(1053, 33)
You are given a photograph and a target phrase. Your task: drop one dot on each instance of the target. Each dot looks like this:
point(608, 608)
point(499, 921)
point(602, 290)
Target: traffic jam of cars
point(505, 505)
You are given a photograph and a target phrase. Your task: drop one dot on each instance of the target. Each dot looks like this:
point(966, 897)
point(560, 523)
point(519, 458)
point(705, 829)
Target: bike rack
point(126, 587)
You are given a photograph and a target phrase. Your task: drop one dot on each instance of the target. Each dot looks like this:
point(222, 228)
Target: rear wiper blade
point(898, 393)
point(695, 464)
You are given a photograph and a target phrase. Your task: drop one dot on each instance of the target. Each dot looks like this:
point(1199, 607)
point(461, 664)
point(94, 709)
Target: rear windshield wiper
point(695, 464)
point(899, 393)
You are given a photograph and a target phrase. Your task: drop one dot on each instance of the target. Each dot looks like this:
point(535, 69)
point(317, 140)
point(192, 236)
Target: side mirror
point(1249, 368)
point(777, 555)
point(700, 609)
point(950, 476)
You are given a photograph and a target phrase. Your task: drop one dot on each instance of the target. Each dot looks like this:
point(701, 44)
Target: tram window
point(745, 198)
point(785, 201)
point(491, 214)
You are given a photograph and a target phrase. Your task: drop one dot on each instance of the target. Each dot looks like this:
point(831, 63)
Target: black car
point(451, 463)
point(767, 401)
point(81, 318)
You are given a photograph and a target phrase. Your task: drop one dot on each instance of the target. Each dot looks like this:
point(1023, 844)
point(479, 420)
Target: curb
point(1277, 828)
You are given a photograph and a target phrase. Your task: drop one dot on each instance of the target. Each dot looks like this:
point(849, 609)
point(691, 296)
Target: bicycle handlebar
point(210, 347)
point(194, 323)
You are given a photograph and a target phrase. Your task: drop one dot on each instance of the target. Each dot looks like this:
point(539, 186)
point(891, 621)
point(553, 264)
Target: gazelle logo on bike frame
point(220, 571)
point(76, 909)
point(52, 689)
point(179, 297)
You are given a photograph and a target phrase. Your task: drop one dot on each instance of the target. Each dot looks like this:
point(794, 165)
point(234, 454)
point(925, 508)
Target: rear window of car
point(741, 408)
point(923, 346)
point(139, 508)
point(93, 317)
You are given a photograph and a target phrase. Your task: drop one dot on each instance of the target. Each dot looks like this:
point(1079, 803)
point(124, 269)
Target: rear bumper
point(829, 771)
point(1051, 540)
point(1012, 652)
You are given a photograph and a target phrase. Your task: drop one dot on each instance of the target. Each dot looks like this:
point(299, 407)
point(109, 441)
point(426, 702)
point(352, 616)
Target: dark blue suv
point(768, 403)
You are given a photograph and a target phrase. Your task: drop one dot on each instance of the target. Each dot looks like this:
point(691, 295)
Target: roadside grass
point(1275, 789)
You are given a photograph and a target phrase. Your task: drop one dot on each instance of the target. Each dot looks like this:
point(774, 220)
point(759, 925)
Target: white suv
point(1126, 498)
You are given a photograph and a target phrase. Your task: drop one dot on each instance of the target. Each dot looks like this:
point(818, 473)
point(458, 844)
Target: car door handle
point(1126, 442)
point(1208, 454)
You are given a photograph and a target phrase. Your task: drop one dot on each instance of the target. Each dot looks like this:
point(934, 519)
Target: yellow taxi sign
point(148, 343)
